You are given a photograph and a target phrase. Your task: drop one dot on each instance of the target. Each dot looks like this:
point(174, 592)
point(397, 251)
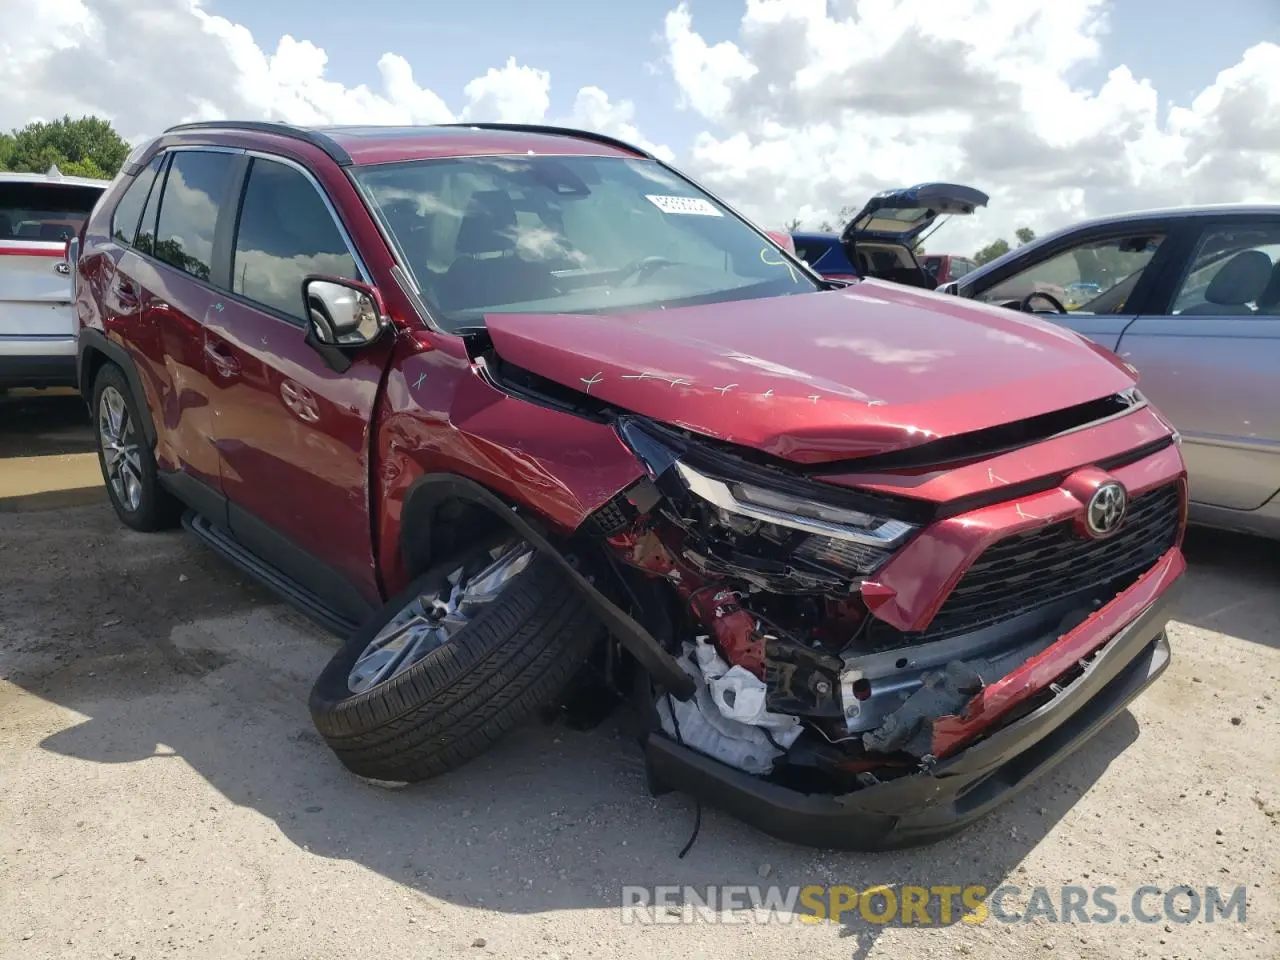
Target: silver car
point(39, 214)
point(1191, 297)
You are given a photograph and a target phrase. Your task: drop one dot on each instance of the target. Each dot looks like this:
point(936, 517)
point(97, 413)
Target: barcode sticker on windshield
point(691, 206)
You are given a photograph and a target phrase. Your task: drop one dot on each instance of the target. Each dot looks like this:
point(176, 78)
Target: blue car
point(880, 241)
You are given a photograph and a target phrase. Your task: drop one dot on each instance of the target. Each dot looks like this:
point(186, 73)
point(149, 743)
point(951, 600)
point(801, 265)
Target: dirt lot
point(162, 791)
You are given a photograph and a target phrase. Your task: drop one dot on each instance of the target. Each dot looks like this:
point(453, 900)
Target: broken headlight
point(766, 527)
point(837, 537)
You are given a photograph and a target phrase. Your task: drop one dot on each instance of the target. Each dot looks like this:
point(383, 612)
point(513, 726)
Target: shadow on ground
point(48, 458)
point(171, 656)
point(41, 423)
point(552, 819)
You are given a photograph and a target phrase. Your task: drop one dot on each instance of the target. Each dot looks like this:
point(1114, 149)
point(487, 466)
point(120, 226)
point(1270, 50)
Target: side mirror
point(952, 287)
point(344, 313)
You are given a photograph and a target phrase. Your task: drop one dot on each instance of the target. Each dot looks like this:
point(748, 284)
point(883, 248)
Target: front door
point(292, 434)
point(1096, 278)
point(1209, 359)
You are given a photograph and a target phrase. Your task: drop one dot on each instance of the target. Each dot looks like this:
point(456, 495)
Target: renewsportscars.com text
point(910, 905)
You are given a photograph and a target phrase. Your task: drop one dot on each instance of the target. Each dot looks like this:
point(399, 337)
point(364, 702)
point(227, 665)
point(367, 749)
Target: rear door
point(293, 435)
point(37, 218)
point(1208, 353)
point(163, 294)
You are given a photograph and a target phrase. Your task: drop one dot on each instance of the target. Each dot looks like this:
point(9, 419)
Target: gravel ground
point(162, 791)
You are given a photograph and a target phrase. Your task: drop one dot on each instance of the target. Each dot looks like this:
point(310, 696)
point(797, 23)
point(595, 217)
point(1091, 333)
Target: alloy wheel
point(119, 443)
point(432, 618)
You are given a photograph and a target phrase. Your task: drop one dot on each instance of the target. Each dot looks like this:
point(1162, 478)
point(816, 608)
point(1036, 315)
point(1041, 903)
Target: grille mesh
point(1028, 570)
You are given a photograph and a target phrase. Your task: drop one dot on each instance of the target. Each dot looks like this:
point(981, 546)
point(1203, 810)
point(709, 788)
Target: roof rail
point(316, 139)
point(555, 131)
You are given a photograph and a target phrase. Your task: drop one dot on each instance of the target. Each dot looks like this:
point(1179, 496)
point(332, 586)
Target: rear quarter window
point(46, 212)
point(128, 211)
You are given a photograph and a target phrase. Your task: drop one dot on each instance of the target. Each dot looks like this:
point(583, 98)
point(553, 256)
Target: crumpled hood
point(818, 377)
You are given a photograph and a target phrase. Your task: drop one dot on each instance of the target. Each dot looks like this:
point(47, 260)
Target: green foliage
point(999, 248)
point(992, 250)
point(88, 147)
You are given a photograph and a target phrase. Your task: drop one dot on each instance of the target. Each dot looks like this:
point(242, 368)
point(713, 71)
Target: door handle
point(126, 293)
point(220, 358)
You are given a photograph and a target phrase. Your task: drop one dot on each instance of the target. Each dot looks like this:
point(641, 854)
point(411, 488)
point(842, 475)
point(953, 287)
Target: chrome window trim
point(200, 147)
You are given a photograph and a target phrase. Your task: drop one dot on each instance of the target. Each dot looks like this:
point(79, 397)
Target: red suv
point(509, 405)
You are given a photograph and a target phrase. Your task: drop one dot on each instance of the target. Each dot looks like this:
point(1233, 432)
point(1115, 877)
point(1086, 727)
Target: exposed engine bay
point(755, 578)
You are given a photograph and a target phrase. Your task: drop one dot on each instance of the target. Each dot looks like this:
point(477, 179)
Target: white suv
point(39, 214)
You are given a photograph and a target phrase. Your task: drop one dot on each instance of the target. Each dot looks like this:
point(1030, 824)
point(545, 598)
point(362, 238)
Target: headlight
point(772, 506)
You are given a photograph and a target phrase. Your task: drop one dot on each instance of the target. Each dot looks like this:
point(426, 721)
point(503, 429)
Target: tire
point(155, 508)
point(494, 673)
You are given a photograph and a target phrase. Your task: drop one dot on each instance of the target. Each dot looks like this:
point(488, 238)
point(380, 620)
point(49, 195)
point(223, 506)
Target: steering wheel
point(638, 269)
point(1025, 305)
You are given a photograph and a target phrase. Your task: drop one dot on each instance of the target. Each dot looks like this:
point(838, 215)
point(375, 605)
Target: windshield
point(567, 235)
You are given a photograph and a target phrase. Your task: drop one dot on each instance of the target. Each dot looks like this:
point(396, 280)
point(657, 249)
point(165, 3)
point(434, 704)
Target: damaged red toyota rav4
point(507, 406)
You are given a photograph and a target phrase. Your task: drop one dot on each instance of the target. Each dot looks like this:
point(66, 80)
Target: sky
point(790, 109)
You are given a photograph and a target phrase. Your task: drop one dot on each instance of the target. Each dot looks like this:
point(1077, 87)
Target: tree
point(88, 147)
point(992, 250)
point(791, 226)
point(1025, 235)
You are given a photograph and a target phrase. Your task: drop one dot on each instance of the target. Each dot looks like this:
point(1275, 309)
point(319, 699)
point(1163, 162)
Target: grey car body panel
point(1216, 378)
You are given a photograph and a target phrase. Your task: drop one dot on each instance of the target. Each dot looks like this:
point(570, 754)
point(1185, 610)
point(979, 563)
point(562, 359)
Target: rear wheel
point(472, 649)
point(128, 465)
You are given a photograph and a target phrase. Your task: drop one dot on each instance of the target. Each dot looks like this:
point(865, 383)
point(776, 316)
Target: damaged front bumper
point(1110, 658)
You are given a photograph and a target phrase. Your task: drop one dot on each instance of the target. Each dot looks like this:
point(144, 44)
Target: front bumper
point(955, 792)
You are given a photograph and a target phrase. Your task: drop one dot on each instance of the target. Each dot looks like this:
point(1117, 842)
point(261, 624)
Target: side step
point(289, 590)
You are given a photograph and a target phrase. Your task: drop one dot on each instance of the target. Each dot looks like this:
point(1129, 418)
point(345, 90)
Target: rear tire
point(511, 658)
point(127, 461)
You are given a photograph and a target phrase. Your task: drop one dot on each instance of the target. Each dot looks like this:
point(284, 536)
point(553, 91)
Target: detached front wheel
point(468, 652)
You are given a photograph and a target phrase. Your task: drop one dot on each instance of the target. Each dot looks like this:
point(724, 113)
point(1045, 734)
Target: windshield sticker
point(690, 206)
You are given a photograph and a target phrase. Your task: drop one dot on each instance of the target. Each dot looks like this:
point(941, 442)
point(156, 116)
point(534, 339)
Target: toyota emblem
point(1106, 509)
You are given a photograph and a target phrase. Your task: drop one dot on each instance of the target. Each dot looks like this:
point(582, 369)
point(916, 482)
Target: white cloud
point(148, 64)
point(812, 106)
point(514, 94)
point(817, 105)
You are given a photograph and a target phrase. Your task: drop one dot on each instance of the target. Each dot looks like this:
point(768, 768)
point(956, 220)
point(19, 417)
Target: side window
point(1094, 277)
point(125, 217)
point(193, 192)
point(1235, 272)
point(146, 241)
point(810, 253)
point(285, 233)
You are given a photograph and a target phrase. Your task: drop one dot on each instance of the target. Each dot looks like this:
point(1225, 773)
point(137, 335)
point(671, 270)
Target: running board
point(287, 589)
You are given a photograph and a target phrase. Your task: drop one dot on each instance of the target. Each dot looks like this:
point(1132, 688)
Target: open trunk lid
point(904, 214)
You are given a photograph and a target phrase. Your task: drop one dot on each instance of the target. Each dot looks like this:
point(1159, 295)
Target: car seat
point(486, 269)
point(1241, 281)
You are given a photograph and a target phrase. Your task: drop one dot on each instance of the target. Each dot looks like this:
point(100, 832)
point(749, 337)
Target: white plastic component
point(709, 661)
point(739, 695)
point(705, 728)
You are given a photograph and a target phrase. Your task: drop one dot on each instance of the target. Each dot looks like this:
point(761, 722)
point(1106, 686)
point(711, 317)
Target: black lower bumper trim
point(26, 371)
point(925, 807)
